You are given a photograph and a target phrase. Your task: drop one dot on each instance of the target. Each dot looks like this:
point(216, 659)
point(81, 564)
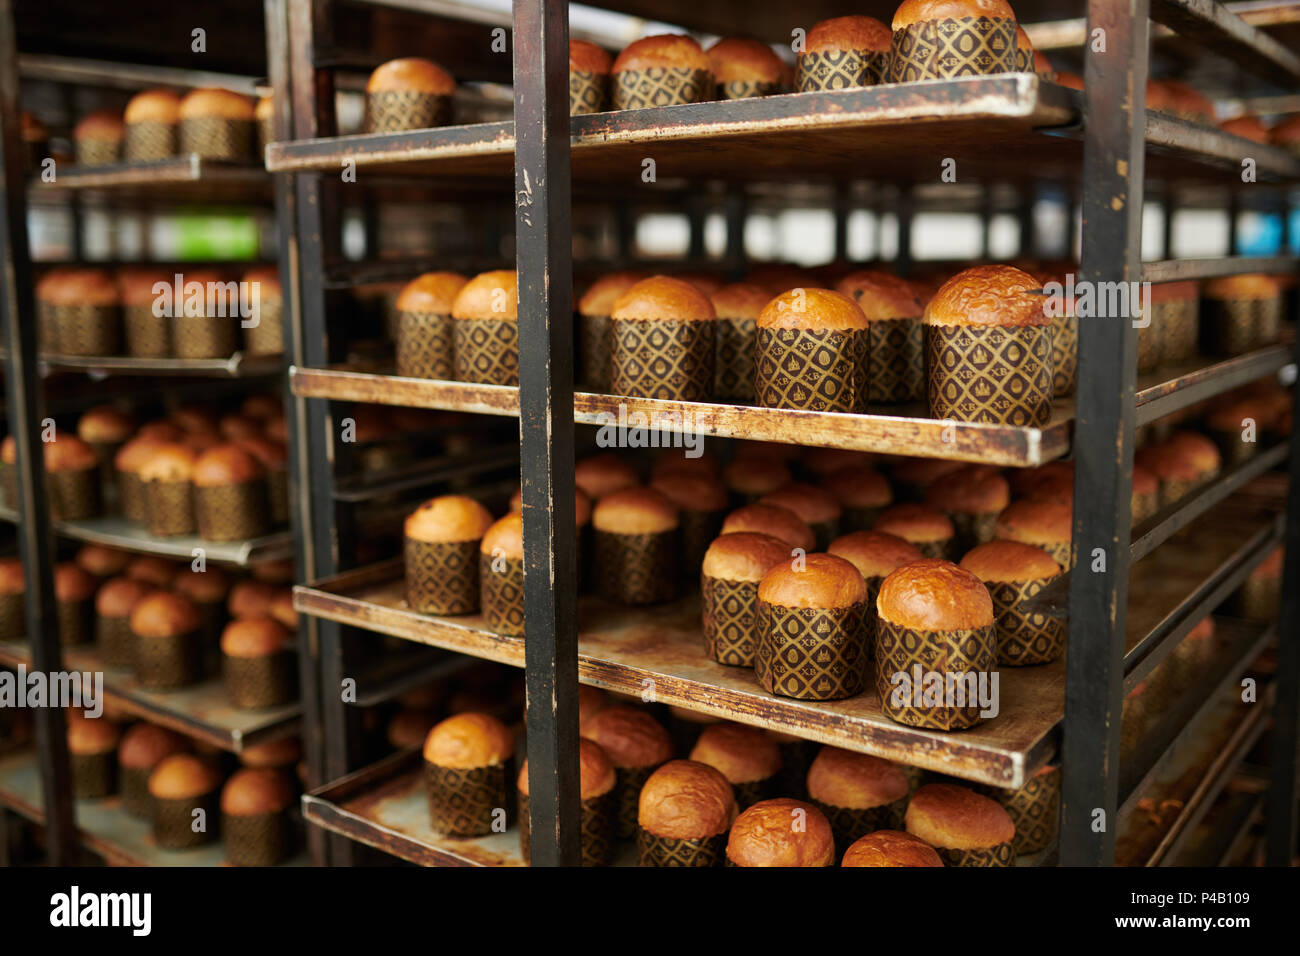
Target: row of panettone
point(185, 791)
point(170, 625)
point(187, 312)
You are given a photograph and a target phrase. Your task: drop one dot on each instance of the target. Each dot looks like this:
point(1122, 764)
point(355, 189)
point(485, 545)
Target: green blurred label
point(231, 236)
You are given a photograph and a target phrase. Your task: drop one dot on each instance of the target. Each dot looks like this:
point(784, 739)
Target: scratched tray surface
point(202, 711)
point(123, 840)
point(119, 532)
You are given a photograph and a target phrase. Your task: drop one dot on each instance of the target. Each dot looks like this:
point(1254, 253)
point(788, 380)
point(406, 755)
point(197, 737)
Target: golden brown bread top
point(874, 553)
point(411, 74)
point(1247, 127)
point(153, 106)
point(69, 453)
point(781, 832)
point(281, 752)
point(506, 535)
point(663, 298)
point(842, 778)
point(915, 522)
point(226, 465)
point(78, 287)
point(256, 790)
point(432, 292)
point(169, 461)
point(1196, 449)
point(180, 776)
point(743, 556)
point(469, 740)
point(1022, 39)
point(742, 60)
point(91, 735)
point(448, 518)
point(880, 295)
point(818, 309)
point(934, 595)
point(144, 744)
point(957, 818)
point(1010, 561)
point(819, 581)
point(271, 455)
point(1187, 101)
point(638, 510)
point(255, 637)
point(105, 423)
point(1174, 291)
point(489, 295)
point(692, 492)
point(117, 596)
point(194, 418)
point(1037, 521)
point(603, 473)
point(667, 51)
point(974, 490)
point(408, 728)
point(595, 771)
point(740, 300)
point(73, 583)
point(12, 578)
point(741, 753)
point(214, 101)
point(1144, 481)
point(890, 848)
point(282, 608)
point(1286, 132)
point(686, 800)
point(814, 505)
point(781, 523)
point(923, 11)
point(755, 476)
point(629, 736)
point(209, 586)
point(102, 561)
point(587, 57)
point(265, 107)
point(601, 295)
point(988, 296)
point(164, 614)
point(101, 124)
point(152, 570)
point(250, 598)
point(1249, 285)
point(848, 33)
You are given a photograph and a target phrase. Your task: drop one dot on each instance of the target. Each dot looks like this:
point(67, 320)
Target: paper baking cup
point(972, 529)
point(730, 620)
point(627, 798)
point(746, 89)
point(1024, 637)
point(215, 137)
point(1257, 599)
point(593, 350)
point(502, 595)
point(812, 370)
point(174, 820)
point(1232, 449)
point(1236, 326)
point(990, 374)
point(486, 351)
point(1034, 809)
point(170, 507)
point(256, 683)
point(840, 70)
point(596, 821)
point(1180, 323)
point(900, 649)
point(660, 86)
point(662, 359)
point(425, 345)
point(588, 92)
point(395, 110)
point(1065, 355)
point(895, 361)
point(442, 576)
point(135, 791)
point(201, 336)
point(265, 135)
point(94, 776)
point(848, 824)
point(1024, 60)
point(637, 569)
point(114, 640)
point(810, 653)
point(133, 495)
point(1001, 855)
point(147, 335)
point(935, 549)
point(267, 337)
point(750, 792)
point(948, 48)
point(463, 802)
point(150, 140)
point(98, 152)
point(257, 839)
point(85, 329)
point(74, 494)
point(234, 512)
point(76, 622)
point(277, 495)
point(654, 850)
point(165, 663)
point(213, 616)
point(733, 359)
point(1060, 552)
point(13, 621)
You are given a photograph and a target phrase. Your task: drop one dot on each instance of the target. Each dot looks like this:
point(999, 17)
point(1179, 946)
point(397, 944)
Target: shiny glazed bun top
point(601, 295)
point(153, 106)
point(740, 300)
point(636, 510)
point(890, 848)
point(69, 453)
point(105, 424)
point(1037, 521)
point(781, 523)
point(489, 295)
point(667, 51)
point(181, 776)
point(957, 818)
point(144, 744)
point(1010, 561)
point(448, 518)
point(859, 486)
point(411, 75)
point(255, 637)
point(505, 538)
point(973, 490)
point(629, 736)
point(163, 614)
point(101, 124)
point(923, 11)
point(91, 735)
point(256, 790)
point(781, 832)
point(73, 583)
point(848, 33)
point(686, 800)
point(823, 581)
point(842, 778)
point(692, 491)
point(663, 298)
point(469, 740)
point(812, 504)
point(915, 522)
point(432, 292)
point(596, 775)
point(742, 60)
point(117, 596)
point(991, 296)
point(600, 474)
point(934, 595)
point(226, 465)
point(741, 753)
point(881, 296)
point(803, 308)
point(743, 556)
point(874, 553)
point(587, 57)
point(213, 101)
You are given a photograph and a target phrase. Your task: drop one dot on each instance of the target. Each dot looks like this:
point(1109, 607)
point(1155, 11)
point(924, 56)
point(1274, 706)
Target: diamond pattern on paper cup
point(895, 361)
point(654, 850)
point(395, 110)
point(944, 49)
point(486, 351)
point(215, 137)
point(811, 653)
point(462, 801)
point(901, 649)
point(730, 620)
point(840, 70)
point(1023, 637)
point(661, 86)
point(733, 363)
point(662, 359)
point(818, 371)
point(425, 345)
point(502, 595)
point(587, 92)
point(994, 375)
point(442, 576)
point(638, 568)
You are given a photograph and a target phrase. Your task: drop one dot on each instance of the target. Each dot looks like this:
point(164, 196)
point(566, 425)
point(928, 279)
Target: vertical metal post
point(1113, 164)
point(904, 210)
point(1026, 223)
point(987, 209)
point(841, 213)
point(23, 390)
point(695, 217)
point(1167, 227)
point(546, 432)
point(736, 209)
point(1234, 215)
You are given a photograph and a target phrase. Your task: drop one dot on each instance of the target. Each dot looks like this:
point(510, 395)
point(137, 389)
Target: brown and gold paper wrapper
point(1232, 447)
point(277, 495)
point(895, 361)
point(850, 823)
point(596, 821)
point(588, 92)
point(463, 802)
point(750, 792)
point(234, 512)
point(86, 329)
point(395, 110)
point(12, 621)
point(972, 529)
point(990, 374)
point(593, 350)
point(174, 821)
point(952, 47)
point(745, 89)
point(487, 351)
point(1240, 325)
point(810, 653)
point(900, 649)
point(74, 494)
point(442, 576)
point(733, 362)
point(812, 370)
point(267, 337)
point(1059, 550)
point(114, 639)
point(134, 496)
point(202, 336)
point(840, 70)
point(1024, 637)
point(1035, 810)
point(1256, 600)
point(1001, 855)
point(425, 346)
point(1180, 325)
point(662, 359)
point(147, 335)
point(635, 569)
point(135, 791)
point(170, 507)
point(216, 137)
point(165, 663)
point(1065, 355)
point(76, 622)
point(1151, 345)
point(94, 776)
point(627, 798)
point(256, 683)
point(655, 850)
point(98, 152)
point(660, 86)
point(936, 549)
point(502, 594)
point(730, 620)
point(149, 141)
point(257, 839)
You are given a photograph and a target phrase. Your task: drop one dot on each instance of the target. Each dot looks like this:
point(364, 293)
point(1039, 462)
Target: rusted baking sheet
point(624, 648)
point(891, 434)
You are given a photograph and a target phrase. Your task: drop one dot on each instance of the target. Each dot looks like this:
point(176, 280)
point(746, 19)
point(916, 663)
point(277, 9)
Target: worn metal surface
point(1225, 33)
point(237, 365)
point(477, 462)
point(118, 532)
point(187, 177)
point(1177, 270)
point(1171, 389)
